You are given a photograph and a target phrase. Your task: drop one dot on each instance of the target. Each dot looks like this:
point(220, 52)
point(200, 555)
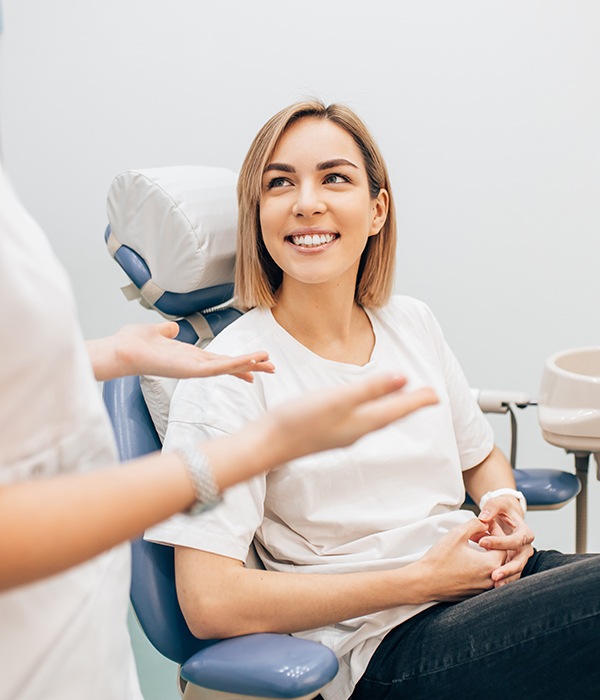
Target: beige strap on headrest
point(112, 244)
point(202, 328)
point(151, 292)
point(147, 296)
point(131, 292)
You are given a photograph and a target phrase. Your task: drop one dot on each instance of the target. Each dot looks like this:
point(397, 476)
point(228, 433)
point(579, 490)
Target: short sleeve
point(474, 435)
point(203, 410)
point(228, 529)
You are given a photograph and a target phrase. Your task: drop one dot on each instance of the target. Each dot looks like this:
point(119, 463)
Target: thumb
point(473, 529)
point(488, 513)
point(168, 329)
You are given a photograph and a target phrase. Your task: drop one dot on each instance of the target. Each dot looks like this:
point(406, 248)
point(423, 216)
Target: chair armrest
point(267, 665)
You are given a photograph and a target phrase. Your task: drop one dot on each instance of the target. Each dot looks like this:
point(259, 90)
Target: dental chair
point(257, 665)
point(200, 205)
point(172, 231)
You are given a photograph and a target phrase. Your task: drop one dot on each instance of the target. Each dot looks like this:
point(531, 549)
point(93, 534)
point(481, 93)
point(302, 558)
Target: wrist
point(105, 358)
point(269, 444)
point(242, 455)
point(412, 583)
point(199, 471)
point(504, 492)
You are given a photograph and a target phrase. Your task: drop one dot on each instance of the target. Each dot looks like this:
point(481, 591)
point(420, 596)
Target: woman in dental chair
point(366, 548)
point(64, 510)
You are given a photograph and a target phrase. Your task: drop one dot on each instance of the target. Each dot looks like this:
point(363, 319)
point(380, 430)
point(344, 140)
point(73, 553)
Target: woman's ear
point(381, 205)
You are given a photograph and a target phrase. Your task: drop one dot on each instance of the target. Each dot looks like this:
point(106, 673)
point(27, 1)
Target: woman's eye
point(278, 182)
point(335, 179)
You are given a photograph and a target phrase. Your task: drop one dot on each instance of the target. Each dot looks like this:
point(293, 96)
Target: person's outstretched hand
point(151, 349)
point(340, 416)
point(315, 422)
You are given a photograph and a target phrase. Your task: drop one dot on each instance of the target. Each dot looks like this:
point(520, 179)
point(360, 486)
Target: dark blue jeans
point(538, 637)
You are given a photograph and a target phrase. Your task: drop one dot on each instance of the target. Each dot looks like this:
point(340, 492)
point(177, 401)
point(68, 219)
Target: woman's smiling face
point(316, 212)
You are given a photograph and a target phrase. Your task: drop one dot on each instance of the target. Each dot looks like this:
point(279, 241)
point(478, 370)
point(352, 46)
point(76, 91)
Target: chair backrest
point(172, 230)
point(153, 592)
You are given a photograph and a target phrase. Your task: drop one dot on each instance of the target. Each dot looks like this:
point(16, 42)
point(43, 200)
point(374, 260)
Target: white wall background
point(488, 113)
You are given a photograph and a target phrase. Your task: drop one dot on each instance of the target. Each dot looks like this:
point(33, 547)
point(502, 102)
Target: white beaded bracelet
point(205, 486)
point(504, 492)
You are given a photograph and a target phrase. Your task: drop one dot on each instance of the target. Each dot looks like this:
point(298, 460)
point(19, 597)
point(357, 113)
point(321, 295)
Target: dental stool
point(569, 416)
point(544, 489)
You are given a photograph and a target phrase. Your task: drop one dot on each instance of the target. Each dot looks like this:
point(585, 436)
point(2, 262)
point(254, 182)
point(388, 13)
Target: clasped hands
point(478, 555)
point(507, 532)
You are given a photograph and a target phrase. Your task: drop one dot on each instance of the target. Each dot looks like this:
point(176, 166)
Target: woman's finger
point(511, 570)
point(518, 539)
point(397, 405)
point(237, 366)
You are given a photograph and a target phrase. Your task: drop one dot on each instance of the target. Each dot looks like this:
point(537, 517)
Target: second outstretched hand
point(338, 417)
point(315, 422)
point(152, 349)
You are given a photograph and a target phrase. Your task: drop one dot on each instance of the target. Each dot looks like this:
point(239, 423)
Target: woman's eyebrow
point(282, 167)
point(325, 165)
point(335, 163)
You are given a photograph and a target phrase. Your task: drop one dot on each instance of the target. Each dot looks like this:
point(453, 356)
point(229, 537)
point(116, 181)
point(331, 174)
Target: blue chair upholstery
point(544, 489)
point(547, 489)
point(258, 665)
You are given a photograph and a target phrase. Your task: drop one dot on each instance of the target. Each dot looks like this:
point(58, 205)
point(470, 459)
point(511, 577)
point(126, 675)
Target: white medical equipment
point(569, 415)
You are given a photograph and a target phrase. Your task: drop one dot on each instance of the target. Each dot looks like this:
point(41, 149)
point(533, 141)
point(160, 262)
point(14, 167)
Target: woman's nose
point(308, 202)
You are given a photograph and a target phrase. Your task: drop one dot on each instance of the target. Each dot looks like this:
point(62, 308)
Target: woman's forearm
point(54, 523)
point(222, 598)
point(493, 473)
point(60, 521)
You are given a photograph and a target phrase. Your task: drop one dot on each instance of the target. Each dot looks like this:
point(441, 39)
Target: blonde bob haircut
point(257, 276)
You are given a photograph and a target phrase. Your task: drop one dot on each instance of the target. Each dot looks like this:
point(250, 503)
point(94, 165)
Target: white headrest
point(180, 220)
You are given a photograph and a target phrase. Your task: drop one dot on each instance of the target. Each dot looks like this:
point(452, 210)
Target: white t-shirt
point(64, 637)
point(379, 504)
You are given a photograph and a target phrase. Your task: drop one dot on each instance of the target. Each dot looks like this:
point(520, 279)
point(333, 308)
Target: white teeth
point(313, 239)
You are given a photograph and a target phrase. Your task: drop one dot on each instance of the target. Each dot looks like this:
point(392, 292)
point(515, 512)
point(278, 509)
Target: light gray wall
point(488, 113)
